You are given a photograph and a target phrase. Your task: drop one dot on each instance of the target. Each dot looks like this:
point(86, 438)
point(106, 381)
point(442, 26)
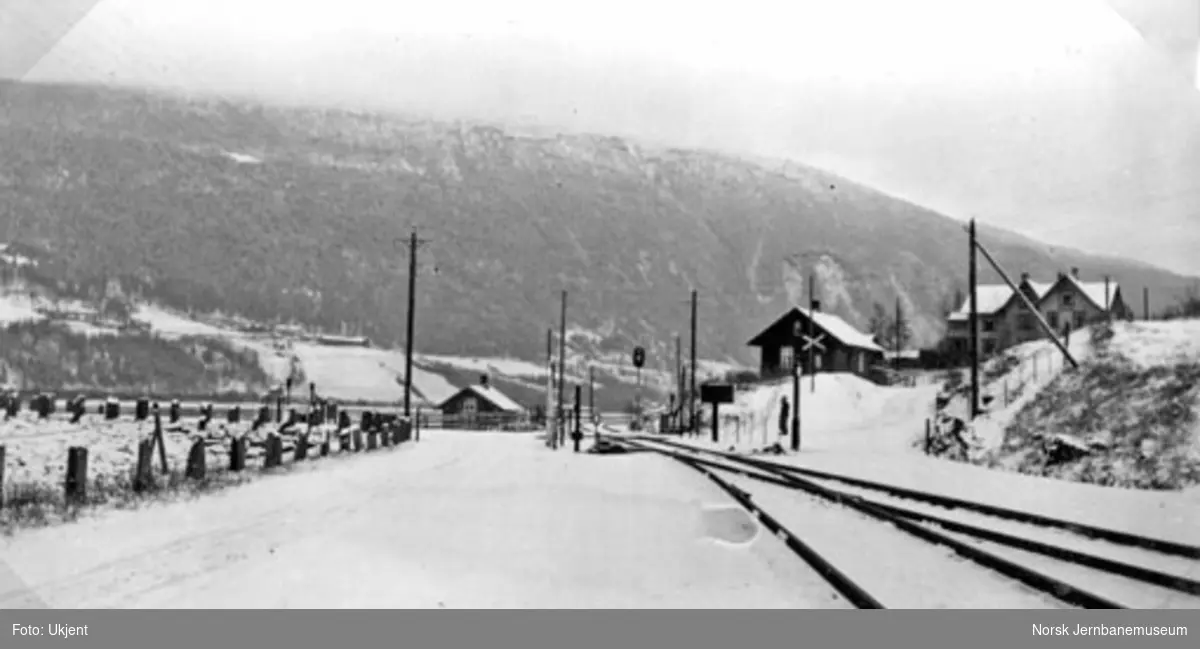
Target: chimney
point(483, 380)
point(1075, 272)
point(816, 305)
point(1024, 278)
point(1062, 275)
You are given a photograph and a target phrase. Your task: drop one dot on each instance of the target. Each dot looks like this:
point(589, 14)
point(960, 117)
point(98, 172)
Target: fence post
point(357, 439)
point(162, 443)
point(928, 434)
point(577, 433)
point(76, 484)
point(143, 475)
point(301, 447)
point(1, 476)
point(237, 454)
point(272, 451)
point(325, 447)
point(197, 461)
point(372, 440)
point(78, 408)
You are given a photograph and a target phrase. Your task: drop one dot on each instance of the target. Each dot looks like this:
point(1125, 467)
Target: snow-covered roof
point(993, 297)
point(842, 330)
point(1041, 288)
point(1095, 291)
point(496, 397)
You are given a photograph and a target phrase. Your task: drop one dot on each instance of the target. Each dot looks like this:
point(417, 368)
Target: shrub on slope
point(1112, 423)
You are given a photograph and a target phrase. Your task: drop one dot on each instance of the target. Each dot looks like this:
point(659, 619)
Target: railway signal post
point(716, 394)
point(811, 344)
point(639, 359)
point(560, 423)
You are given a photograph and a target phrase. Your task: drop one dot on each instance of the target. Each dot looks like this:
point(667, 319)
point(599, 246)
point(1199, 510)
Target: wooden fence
point(506, 421)
point(298, 437)
point(503, 421)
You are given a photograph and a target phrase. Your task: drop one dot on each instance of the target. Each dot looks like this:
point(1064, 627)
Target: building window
point(470, 405)
point(787, 356)
point(1052, 319)
point(1068, 300)
point(989, 324)
point(1080, 318)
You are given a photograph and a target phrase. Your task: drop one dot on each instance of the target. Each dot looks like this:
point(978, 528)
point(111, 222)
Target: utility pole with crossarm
point(414, 243)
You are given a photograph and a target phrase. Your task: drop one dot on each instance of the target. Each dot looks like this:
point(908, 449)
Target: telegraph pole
point(1107, 298)
point(795, 404)
point(592, 393)
point(1049, 331)
point(679, 378)
point(413, 244)
point(899, 315)
point(812, 369)
point(562, 363)
point(973, 327)
point(692, 394)
point(551, 435)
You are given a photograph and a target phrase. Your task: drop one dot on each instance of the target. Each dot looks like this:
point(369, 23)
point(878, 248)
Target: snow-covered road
point(459, 520)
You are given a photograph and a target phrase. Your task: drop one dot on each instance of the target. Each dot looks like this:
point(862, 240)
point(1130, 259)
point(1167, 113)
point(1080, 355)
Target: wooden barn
point(480, 399)
point(840, 346)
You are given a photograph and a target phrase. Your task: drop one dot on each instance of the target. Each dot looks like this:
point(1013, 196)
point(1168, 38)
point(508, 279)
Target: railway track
point(1039, 563)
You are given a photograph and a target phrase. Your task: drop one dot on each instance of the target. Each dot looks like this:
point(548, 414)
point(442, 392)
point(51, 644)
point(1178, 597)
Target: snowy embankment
point(1011, 381)
point(1127, 417)
point(454, 521)
point(836, 410)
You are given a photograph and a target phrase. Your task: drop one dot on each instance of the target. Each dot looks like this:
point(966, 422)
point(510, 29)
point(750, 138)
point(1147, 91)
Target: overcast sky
point(1061, 119)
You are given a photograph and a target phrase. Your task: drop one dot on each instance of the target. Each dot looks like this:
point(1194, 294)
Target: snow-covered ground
point(874, 452)
point(837, 410)
point(1040, 362)
point(15, 307)
point(1146, 344)
point(36, 450)
point(367, 373)
point(506, 366)
point(453, 521)
point(1157, 343)
point(856, 428)
point(898, 569)
point(166, 322)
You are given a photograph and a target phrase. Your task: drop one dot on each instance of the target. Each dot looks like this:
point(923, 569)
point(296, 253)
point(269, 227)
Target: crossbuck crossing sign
point(814, 341)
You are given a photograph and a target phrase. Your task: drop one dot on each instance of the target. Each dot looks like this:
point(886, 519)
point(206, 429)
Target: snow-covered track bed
point(1091, 572)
